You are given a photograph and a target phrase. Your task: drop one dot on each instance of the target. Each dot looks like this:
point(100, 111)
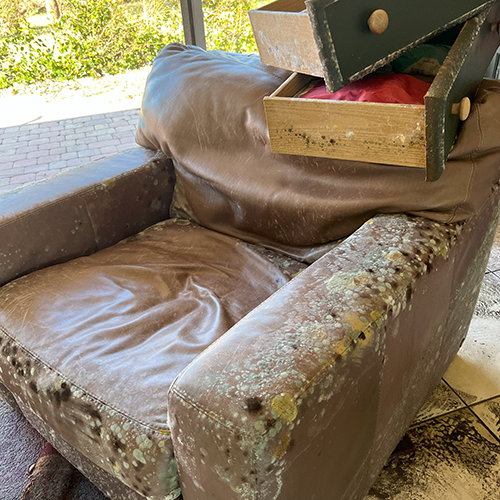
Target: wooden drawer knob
point(462, 108)
point(378, 21)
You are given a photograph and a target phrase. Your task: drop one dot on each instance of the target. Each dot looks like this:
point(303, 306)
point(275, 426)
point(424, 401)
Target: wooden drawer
point(395, 134)
point(332, 39)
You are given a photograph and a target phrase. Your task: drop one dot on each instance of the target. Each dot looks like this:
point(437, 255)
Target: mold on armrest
point(82, 210)
point(304, 386)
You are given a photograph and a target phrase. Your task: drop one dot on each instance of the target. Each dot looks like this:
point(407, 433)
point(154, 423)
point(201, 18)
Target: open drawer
point(395, 134)
point(344, 40)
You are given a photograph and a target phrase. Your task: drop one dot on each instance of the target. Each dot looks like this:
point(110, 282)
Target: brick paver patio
point(36, 151)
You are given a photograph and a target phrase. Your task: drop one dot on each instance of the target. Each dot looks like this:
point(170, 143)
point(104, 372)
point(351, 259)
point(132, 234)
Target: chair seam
point(68, 379)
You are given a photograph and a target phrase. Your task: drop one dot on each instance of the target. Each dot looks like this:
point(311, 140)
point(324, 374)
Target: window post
point(192, 21)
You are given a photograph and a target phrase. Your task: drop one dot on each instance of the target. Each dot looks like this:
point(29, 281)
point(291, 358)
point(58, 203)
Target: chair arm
point(286, 404)
point(82, 210)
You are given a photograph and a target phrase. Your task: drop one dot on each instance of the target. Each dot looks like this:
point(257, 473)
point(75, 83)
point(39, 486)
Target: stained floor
point(457, 433)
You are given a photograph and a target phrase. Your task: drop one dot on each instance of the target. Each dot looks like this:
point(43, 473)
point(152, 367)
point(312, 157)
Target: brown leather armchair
point(163, 356)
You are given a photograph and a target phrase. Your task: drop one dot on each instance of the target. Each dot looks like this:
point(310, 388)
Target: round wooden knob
point(462, 109)
point(378, 21)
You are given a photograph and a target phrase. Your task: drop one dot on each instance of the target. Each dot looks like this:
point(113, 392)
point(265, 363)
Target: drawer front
point(412, 136)
point(348, 50)
point(459, 78)
point(392, 134)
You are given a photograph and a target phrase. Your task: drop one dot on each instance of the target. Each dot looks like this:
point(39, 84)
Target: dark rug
point(31, 469)
point(51, 473)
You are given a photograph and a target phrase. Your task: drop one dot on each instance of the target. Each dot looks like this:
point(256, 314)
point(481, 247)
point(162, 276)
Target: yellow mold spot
point(343, 346)
point(355, 321)
point(361, 279)
point(280, 450)
point(318, 334)
point(165, 432)
point(396, 257)
point(109, 183)
point(377, 318)
point(359, 325)
point(340, 281)
point(285, 407)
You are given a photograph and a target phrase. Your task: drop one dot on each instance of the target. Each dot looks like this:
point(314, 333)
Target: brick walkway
point(36, 151)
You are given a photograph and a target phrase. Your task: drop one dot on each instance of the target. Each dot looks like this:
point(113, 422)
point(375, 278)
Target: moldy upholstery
point(194, 326)
point(228, 180)
point(128, 320)
point(319, 382)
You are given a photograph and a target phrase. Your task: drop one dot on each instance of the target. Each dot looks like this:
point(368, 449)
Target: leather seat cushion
point(205, 110)
point(92, 346)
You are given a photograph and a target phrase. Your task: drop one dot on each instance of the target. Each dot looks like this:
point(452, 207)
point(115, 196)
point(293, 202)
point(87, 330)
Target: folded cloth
point(205, 110)
point(378, 87)
point(51, 477)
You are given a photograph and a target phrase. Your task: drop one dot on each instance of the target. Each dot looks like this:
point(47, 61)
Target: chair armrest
point(289, 402)
point(82, 210)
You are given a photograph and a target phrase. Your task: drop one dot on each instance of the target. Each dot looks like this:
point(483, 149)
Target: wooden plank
point(392, 134)
point(285, 40)
point(292, 85)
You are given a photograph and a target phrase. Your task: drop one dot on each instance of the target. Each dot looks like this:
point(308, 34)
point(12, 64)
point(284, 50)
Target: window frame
point(192, 22)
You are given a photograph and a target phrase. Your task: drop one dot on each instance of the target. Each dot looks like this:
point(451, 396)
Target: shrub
point(92, 38)
point(227, 26)
point(12, 12)
point(98, 37)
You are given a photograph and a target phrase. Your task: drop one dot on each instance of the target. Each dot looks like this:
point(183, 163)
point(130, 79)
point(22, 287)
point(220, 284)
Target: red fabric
point(48, 449)
point(384, 87)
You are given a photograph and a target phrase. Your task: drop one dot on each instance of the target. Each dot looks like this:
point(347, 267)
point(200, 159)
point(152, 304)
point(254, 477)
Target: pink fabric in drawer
point(386, 87)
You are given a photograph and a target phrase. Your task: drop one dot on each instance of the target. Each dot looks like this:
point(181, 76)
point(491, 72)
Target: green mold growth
point(108, 184)
point(138, 455)
point(172, 477)
point(144, 442)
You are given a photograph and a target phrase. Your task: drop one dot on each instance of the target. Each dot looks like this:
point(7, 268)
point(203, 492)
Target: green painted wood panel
point(349, 50)
point(459, 77)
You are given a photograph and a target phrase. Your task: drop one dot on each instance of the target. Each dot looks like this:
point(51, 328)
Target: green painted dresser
point(405, 135)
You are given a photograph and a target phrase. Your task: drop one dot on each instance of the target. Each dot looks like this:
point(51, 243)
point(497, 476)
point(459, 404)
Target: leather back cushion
point(205, 110)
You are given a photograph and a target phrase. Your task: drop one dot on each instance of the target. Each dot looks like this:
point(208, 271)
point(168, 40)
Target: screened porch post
point(192, 20)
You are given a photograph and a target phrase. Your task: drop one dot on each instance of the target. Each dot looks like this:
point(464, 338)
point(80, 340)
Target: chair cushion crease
point(92, 346)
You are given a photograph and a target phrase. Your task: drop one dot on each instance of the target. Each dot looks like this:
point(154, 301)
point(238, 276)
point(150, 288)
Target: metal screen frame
point(192, 22)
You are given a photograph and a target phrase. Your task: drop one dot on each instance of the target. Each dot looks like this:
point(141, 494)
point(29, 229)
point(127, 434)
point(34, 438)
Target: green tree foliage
point(98, 37)
point(227, 25)
point(12, 12)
